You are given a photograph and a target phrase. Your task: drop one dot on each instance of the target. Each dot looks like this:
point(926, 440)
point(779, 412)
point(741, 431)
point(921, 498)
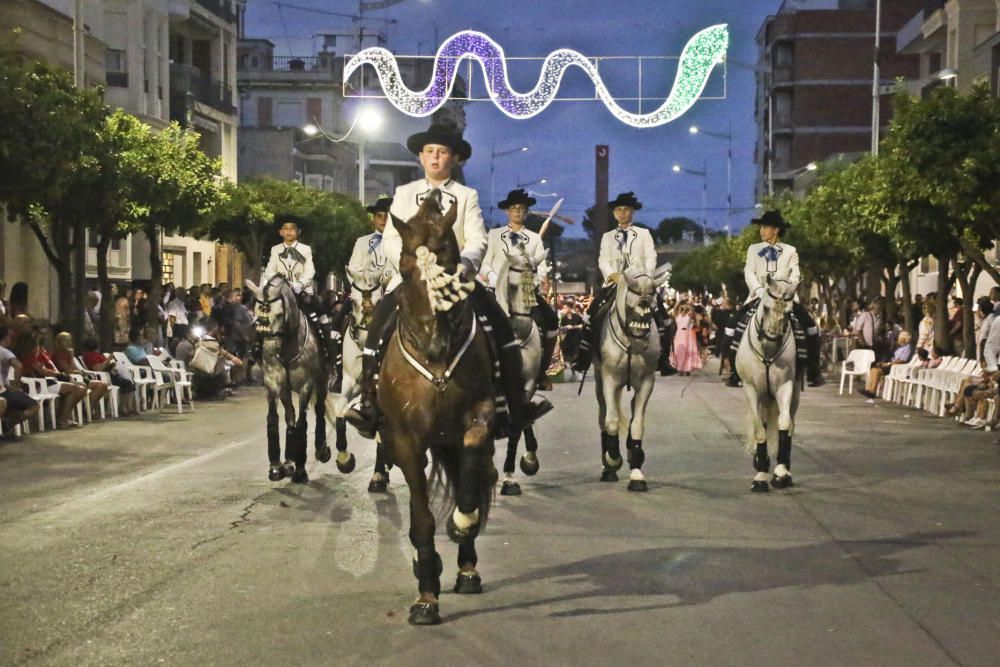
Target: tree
point(331, 221)
point(48, 146)
point(716, 268)
point(673, 229)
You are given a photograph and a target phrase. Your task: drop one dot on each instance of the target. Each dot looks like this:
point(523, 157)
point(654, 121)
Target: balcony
point(221, 8)
point(116, 79)
point(187, 80)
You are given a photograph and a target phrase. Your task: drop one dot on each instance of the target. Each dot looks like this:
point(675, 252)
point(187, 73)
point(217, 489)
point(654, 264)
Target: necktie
point(620, 237)
point(515, 238)
point(770, 253)
point(374, 242)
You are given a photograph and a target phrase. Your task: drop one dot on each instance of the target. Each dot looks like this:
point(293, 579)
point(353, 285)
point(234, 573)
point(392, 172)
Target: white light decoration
point(700, 56)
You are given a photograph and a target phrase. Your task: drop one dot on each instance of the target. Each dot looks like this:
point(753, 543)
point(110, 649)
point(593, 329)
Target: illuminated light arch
point(701, 54)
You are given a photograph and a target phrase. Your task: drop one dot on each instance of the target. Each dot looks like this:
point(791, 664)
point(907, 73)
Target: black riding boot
point(338, 326)
point(814, 374)
point(366, 417)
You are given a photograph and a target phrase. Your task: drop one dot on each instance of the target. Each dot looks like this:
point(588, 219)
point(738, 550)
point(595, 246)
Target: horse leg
point(380, 478)
point(757, 430)
point(611, 455)
point(637, 427)
point(473, 494)
point(276, 472)
point(783, 471)
point(291, 435)
point(510, 487)
point(529, 462)
point(345, 460)
point(427, 565)
point(301, 429)
point(323, 452)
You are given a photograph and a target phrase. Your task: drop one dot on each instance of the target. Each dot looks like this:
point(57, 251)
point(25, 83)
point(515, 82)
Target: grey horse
point(292, 362)
point(629, 349)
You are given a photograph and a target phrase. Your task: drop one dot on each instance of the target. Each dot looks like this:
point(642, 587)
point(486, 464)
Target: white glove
point(491, 279)
point(296, 286)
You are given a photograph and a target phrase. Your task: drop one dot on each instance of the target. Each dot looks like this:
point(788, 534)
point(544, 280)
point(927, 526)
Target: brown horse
point(435, 393)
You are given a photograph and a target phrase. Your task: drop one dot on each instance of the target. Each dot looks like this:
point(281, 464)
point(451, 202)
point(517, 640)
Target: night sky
point(562, 138)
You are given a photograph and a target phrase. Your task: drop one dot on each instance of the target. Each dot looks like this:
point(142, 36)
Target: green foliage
point(709, 268)
point(331, 221)
point(672, 229)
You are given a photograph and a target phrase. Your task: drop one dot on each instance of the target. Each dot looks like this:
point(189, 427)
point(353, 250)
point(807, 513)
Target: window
point(196, 261)
point(314, 181)
point(288, 113)
point(114, 60)
point(168, 267)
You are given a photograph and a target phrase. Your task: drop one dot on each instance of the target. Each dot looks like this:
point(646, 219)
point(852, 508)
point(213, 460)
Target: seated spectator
point(972, 403)
point(38, 363)
point(95, 360)
point(206, 385)
point(902, 355)
point(136, 349)
point(18, 406)
point(62, 357)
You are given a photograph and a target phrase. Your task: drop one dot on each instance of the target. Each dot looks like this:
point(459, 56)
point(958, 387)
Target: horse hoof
point(300, 477)
point(424, 613)
point(782, 482)
point(276, 473)
point(378, 486)
point(609, 475)
point(510, 489)
point(468, 583)
point(529, 467)
point(759, 487)
point(456, 535)
point(638, 485)
point(347, 466)
point(323, 454)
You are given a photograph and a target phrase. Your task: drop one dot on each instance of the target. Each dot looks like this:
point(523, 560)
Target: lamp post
point(537, 181)
point(704, 195)
point(369, 119)
point(493, 157)
point(876, 76)
point(728, 136)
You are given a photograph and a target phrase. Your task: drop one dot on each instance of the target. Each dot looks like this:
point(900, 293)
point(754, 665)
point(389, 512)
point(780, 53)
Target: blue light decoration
point(701, 54)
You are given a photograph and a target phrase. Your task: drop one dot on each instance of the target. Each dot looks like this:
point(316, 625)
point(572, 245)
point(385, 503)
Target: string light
point(700, 56)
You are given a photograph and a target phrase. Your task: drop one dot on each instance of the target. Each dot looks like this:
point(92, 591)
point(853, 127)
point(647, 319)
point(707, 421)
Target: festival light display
point(701, 54)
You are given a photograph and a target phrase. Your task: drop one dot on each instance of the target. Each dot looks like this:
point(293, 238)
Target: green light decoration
point(701, 54)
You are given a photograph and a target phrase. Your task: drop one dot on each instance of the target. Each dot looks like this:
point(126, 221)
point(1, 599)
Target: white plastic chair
point(896, 373)
point(862, 361)
point(113, 391)
point(142, 377)
point(37, 389)
point(172, 379)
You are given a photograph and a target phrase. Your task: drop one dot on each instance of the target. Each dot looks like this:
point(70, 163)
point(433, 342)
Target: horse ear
point(445, 223)
point(399, 223)
point(253, 288)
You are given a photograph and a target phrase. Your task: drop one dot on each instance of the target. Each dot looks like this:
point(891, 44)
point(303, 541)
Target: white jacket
point(622, 248)
point(526, 251)
point(299, 273)
point(758, 268)
point(368, 256)
point(469, 226)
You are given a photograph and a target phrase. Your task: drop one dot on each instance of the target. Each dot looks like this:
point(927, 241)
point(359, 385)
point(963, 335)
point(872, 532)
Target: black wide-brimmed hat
point(518, 196)
point(771, 219)
point(380, 206)
point(445, 135)
point(626, 199)
point(282, 218)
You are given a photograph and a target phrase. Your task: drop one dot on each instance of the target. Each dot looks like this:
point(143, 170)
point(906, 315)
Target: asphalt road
point(159, 540)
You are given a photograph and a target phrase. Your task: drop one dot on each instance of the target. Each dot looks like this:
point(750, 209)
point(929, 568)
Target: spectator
point(685, 356)
point(207, 385)
point(38, 363)
point(19, 406)
point(177, 317)
point(122, 325)
point(925, 330)
point(866, 325)
point(96, 361)
point(136, 349)
point(18, 300)
point(62, 357)
point(956, 326)
point(5, 315)
point(902, 355)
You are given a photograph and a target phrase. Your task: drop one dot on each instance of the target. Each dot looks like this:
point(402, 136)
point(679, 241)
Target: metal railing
point(222, 8)
point(187, 79)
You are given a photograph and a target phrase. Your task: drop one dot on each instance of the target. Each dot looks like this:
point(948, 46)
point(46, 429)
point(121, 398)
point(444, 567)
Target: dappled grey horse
point(292, 362)
point(629, 348)
point(765, 360)
point(515, 292)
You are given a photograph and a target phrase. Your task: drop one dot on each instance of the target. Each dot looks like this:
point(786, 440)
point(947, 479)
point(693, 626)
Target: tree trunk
point(64, 274)
point(968, 275)
point(106, 326)
point(155, 285)
point(910, 322)
point(941, 335)
point(976, 255)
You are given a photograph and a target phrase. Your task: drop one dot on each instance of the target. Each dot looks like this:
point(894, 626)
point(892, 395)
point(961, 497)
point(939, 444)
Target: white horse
point(367, 288)
point(515, 292)
point(765, 361)
point(629, 347)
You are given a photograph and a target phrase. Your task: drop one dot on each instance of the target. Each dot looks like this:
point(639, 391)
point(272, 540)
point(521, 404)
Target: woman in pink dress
point(685, 356)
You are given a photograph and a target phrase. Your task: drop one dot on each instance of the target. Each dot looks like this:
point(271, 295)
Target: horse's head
point(775, 304)
point(275, 308)
point(366, 292)
point(430, 254)
point(636, 299)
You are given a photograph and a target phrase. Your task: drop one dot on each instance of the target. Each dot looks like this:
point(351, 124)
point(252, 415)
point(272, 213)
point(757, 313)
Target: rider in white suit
point(768, 258)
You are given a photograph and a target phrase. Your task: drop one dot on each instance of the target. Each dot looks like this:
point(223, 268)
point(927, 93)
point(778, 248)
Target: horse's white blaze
point(465, 521)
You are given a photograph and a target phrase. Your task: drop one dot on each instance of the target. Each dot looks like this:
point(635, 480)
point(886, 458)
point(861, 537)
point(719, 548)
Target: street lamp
point(541, 181)
point(493, 156)
point(704, 195)
point(367, 120)
point(728, 136)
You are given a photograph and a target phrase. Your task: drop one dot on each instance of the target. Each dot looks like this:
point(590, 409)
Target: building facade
point(814, 82)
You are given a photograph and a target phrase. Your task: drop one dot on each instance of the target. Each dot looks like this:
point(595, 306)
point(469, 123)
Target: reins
point(440, 382)
point(761, 334)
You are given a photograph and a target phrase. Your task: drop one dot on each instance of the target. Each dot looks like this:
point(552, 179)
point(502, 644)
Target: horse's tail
point(445, 473)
